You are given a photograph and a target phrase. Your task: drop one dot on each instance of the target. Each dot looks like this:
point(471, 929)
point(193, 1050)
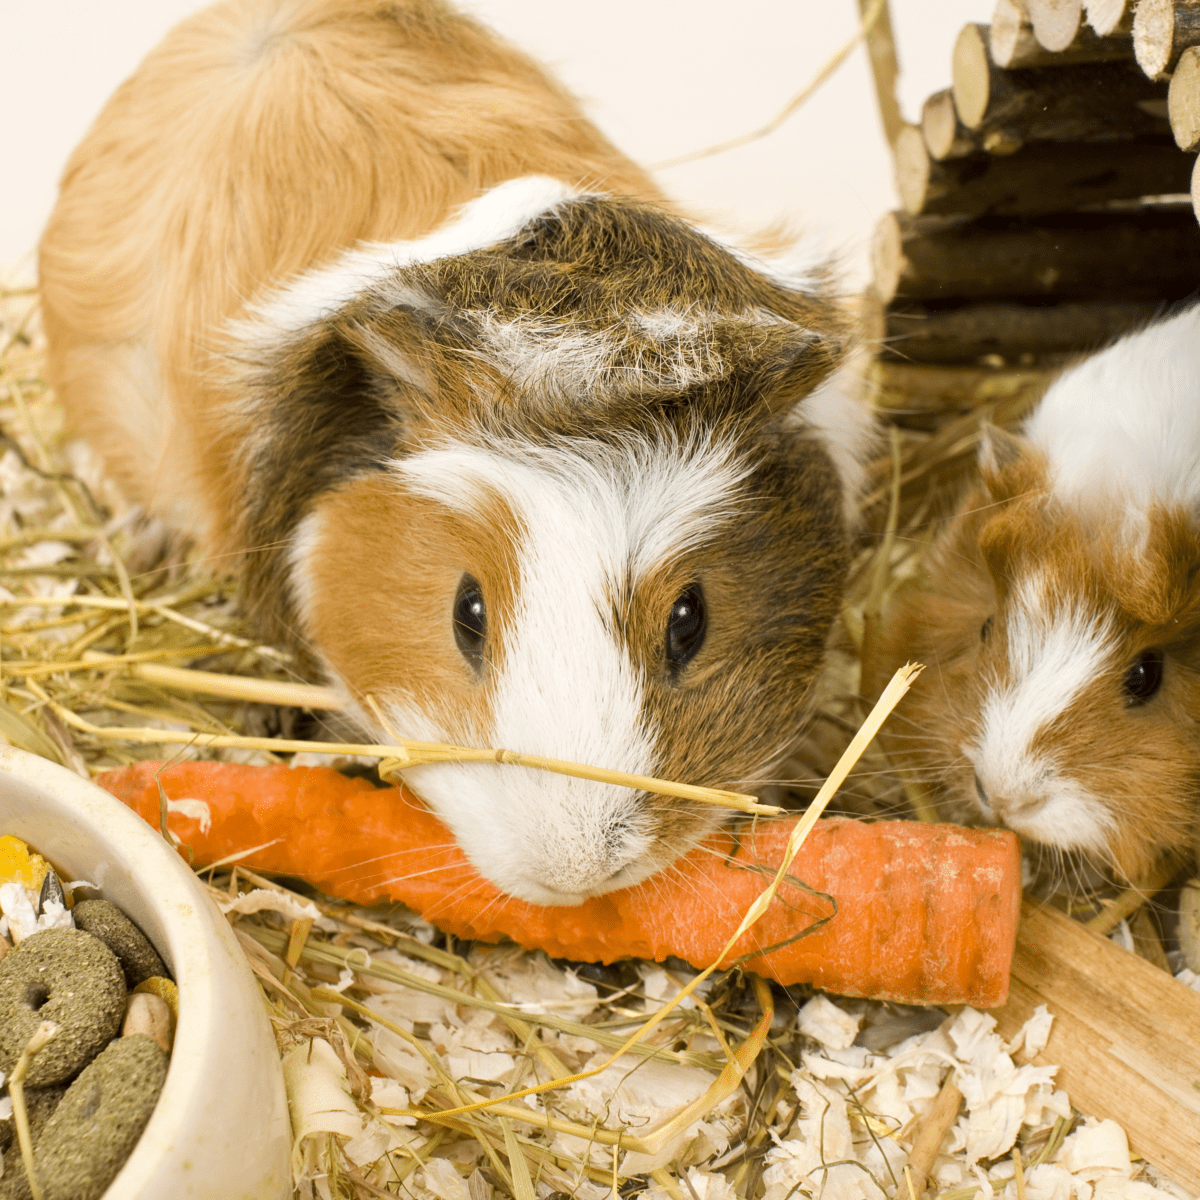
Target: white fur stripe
point(1054, 651)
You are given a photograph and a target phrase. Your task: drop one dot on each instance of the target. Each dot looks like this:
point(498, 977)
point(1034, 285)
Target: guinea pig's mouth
point(1049, 808)
point(536, 892)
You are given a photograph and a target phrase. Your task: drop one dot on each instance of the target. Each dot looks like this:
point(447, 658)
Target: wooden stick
point(1183, 100)
point(945, 135)
point(1079, 102)
point(1194, 188)
point(1013, 43)
point(1009, 334)
point(1126, 1036)
point(1151, 253)
point(937, 1123)
point(881, 48)
point(1055, 22)
point(1162, 30)
point(903, 389)
point(1107, 17)
point(1043, 177)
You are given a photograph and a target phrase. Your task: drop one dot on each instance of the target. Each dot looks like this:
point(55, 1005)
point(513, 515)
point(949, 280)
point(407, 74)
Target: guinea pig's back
point(258, 140)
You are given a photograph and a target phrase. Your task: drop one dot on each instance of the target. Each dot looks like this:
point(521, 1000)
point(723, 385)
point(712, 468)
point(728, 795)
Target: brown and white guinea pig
point(1061, 625)
point(352, 293)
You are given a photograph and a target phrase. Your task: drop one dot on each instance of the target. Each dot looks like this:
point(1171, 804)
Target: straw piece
point(97, 662)
point(44, 1033)
point(662, 1177)
point(411, 754)
point(1019, 1173)
point(298, 933)
point(729, 1079)
point(17, 728)
point(31, 537)
point(872, 14)
point(233, 687)
point(937, 1123)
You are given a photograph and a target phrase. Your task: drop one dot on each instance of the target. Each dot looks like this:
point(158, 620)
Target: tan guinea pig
point(1061, 620)
point(351, 292)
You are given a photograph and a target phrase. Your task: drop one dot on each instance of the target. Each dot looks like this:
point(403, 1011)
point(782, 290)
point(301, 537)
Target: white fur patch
point(640, 502)
point(1054, 652)
point(838, 412)
point(1069, 816)
point(590, 526)
point(538, 355)
point(496, 216)
point(1122, 429)
point(304, 544)
point(541, 355)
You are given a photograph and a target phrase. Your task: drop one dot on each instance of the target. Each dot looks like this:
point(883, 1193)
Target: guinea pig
point(352, 293)
point(1060, 617)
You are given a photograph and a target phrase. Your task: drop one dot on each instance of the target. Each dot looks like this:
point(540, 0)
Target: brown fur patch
point(394, 637)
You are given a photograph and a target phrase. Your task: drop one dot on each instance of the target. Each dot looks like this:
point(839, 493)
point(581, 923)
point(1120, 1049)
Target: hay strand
point(405, 754)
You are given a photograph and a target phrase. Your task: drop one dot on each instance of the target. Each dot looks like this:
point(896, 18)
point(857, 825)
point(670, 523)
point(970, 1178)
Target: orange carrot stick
point(921, 914)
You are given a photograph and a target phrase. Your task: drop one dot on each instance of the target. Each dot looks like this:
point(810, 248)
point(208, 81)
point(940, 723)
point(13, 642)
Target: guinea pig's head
point(559, 495)
point(1063, 692)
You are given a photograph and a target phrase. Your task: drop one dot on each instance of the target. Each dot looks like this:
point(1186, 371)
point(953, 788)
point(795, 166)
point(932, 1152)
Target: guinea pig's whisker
point(440, 872)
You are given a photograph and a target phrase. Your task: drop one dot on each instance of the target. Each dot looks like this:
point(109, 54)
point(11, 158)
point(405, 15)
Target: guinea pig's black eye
point(470, 621)
point(685, 628)
point(985, 631)
point(1144, 678)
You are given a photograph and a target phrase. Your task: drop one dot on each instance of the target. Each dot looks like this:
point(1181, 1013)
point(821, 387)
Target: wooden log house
point(1050, 200)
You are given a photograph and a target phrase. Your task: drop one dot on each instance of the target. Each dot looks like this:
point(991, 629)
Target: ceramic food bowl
point(220, 1130)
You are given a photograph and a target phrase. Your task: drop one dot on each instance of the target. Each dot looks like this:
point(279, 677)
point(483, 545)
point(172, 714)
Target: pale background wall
point(660, 77)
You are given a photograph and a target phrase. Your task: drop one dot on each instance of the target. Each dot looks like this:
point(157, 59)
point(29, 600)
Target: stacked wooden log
point(1046, 194)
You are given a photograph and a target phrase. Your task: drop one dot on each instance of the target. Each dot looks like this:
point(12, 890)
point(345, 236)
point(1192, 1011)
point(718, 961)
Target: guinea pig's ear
point(998, 448)
point(1008, 465)
point(774, 363)
point(800, 363)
